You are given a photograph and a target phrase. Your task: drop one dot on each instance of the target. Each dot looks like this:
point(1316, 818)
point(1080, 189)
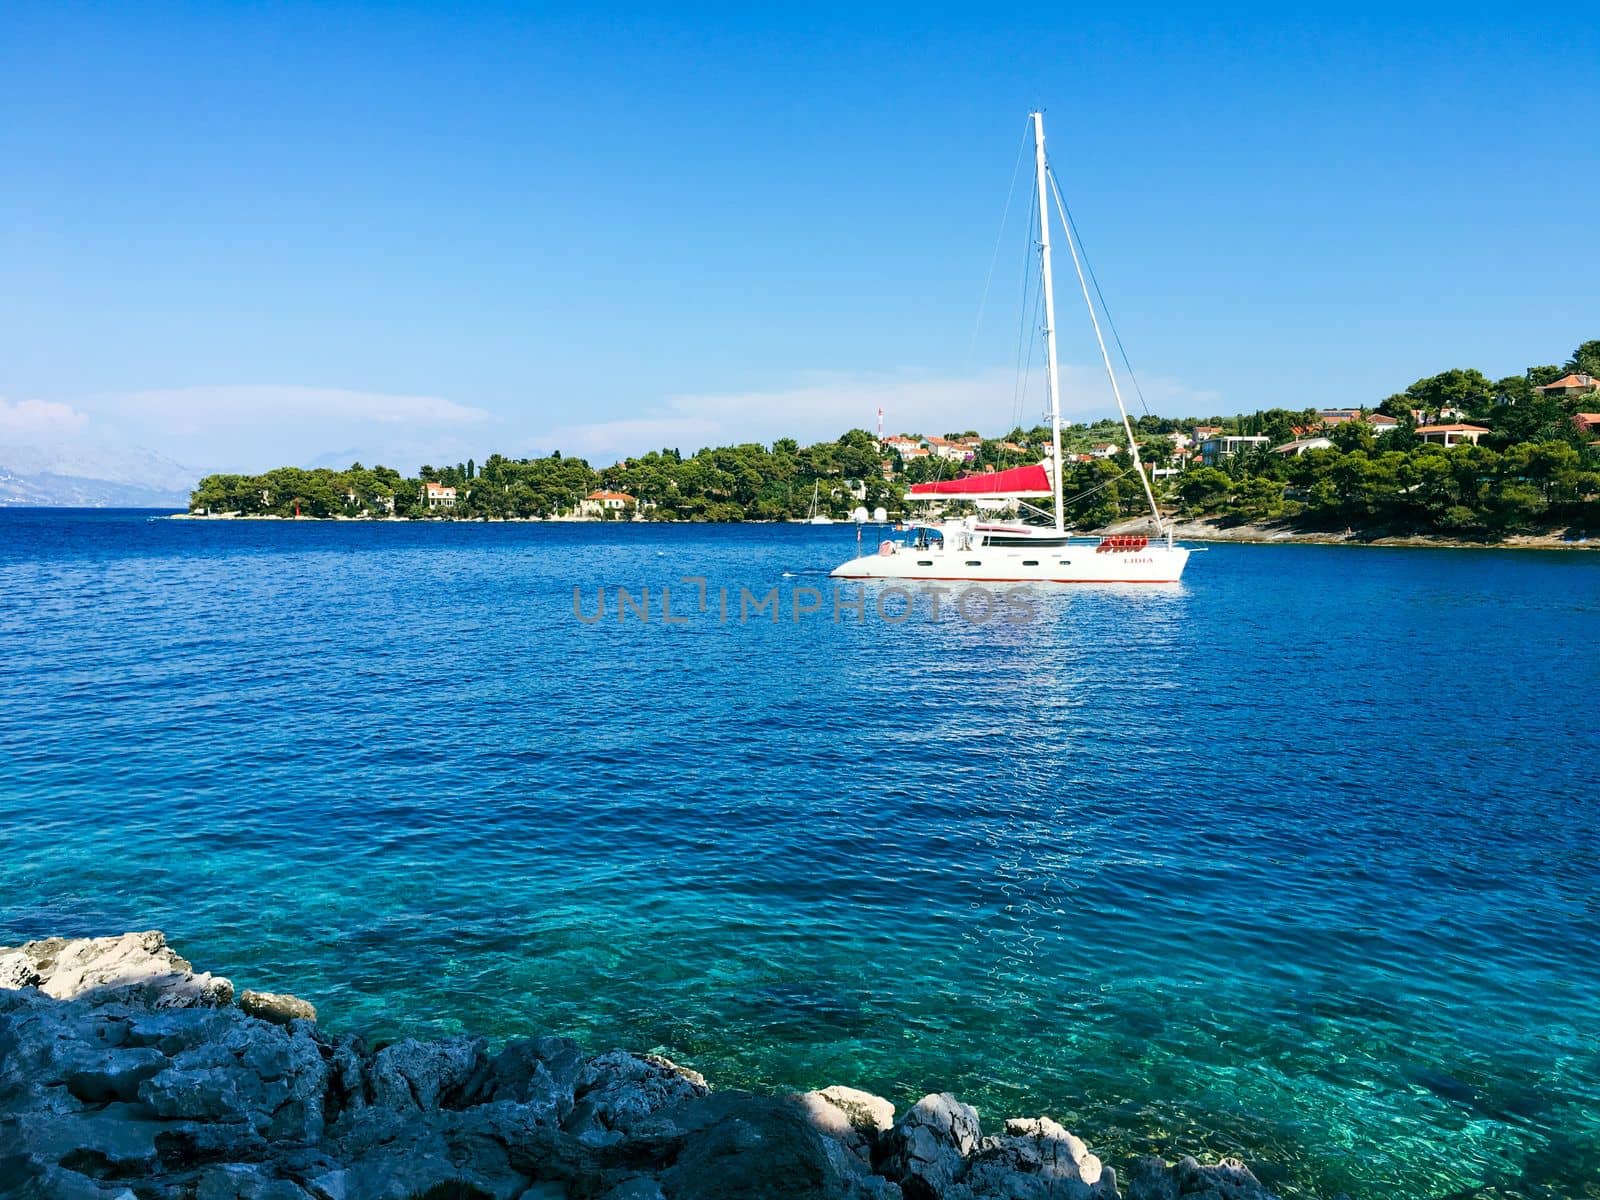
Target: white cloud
point(46, 420)
point(823, 405)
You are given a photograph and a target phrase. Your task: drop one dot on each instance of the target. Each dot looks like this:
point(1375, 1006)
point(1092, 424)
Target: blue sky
point(247, 234)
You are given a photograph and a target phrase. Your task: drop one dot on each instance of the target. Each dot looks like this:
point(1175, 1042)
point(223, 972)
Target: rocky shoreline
point(127, 1075)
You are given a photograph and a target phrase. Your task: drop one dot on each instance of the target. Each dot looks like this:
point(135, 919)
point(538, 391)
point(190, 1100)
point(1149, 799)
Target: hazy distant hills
point(86, 475)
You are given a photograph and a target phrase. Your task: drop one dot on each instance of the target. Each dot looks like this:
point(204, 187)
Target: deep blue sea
point(1296, 861)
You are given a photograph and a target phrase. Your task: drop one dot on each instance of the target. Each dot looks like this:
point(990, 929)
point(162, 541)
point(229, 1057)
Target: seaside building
point(438, 495)
point(1587, 422)
point(602, 504)
point(1451, 435)
point(1220, 446)
point(1572, 385)
point(1104, 450)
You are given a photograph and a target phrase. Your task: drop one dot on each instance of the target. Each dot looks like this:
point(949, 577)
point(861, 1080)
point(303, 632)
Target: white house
point(1301, 445)
point(437, 495)
point(1105, 450)
point(948, 450)
point(1451, 435)
point(602, 504)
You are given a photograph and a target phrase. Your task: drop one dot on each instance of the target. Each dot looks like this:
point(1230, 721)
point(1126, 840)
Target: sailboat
point(817, 518)
point(977, 551)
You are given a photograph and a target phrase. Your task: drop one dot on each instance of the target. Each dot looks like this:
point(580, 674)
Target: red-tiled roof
point(1452, 429)
point(1572, 381)
point(623, 496)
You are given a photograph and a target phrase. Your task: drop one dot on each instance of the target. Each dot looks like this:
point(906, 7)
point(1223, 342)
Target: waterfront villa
point(603, 504)
point(438, 495)
point(1451, 435)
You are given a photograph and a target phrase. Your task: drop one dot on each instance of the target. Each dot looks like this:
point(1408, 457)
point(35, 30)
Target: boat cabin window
point(1066, 562)
point(1030, 562)
point(974, 562)
point(924, 562)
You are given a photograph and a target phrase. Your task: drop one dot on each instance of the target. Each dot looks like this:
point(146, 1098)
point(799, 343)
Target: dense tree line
point(1536, 468)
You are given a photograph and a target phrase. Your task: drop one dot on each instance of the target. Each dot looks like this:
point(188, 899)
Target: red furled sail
point(1018, 481)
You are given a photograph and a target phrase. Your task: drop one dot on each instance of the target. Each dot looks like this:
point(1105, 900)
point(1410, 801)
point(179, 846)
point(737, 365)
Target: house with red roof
point(597, 505)
point(1576, 384)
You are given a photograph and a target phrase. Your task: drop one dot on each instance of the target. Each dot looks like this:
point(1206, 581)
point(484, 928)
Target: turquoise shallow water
point(1296, 861)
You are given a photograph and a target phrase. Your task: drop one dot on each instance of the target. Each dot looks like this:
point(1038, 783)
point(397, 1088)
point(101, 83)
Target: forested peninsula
point(1455, 455)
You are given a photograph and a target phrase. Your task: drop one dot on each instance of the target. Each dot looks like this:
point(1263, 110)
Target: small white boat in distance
point(977, 551)
point(817, 518)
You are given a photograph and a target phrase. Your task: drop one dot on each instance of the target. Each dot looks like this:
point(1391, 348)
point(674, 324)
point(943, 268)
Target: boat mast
point(1050, 369)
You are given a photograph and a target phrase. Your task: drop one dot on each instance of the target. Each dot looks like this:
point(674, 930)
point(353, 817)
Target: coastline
point(130, 1074)
point(1192, 530)
point(1210, 530)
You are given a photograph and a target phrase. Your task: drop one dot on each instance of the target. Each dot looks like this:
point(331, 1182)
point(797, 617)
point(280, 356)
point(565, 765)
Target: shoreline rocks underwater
point(125, 1074)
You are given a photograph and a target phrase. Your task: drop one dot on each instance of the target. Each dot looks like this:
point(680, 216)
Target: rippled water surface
point(1297, 861)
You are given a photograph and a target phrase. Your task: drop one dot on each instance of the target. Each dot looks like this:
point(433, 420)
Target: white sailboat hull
point(1072, 563)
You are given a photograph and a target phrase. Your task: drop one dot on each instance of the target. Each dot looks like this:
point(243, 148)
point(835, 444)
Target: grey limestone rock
point(267, 1078)
point(619, 1091)
point(137, 967)
point(928, 1148)
point(739, 1146)
point(1152, 1178)
point(855, 1119)
point(424, 1075)
point(126, 1075)
point(1036, 1159)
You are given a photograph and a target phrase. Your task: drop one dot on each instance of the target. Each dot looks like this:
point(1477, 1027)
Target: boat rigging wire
point(1025, 340)
point(994, 257)
point(1099, 295)
point(1116, 392)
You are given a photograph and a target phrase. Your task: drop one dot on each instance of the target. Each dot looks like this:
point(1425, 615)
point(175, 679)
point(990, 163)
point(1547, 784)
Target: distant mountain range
point(86, 475)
